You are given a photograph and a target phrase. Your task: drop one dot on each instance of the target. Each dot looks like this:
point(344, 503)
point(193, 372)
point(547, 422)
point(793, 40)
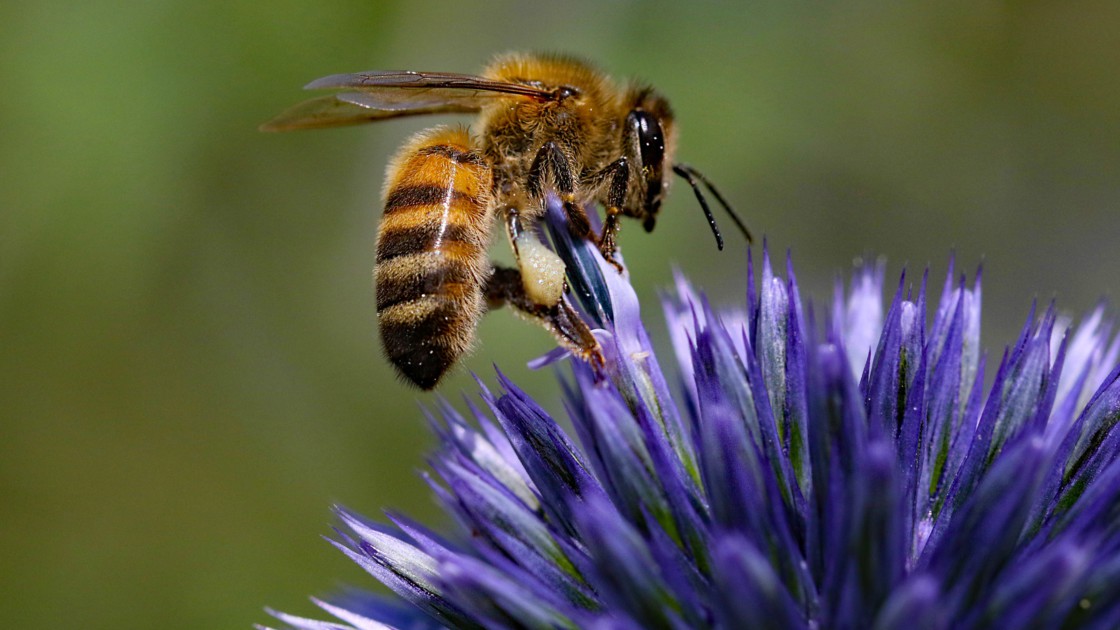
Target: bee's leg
point(514, 227)
point(505, 286)
point(617, 176)
point(541, 270)
point(550, 159)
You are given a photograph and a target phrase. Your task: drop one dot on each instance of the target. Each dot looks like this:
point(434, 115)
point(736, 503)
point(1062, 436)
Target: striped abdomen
point(431, 253)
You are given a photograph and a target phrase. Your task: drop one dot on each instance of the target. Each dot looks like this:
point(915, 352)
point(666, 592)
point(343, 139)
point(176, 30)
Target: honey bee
point(546, 125)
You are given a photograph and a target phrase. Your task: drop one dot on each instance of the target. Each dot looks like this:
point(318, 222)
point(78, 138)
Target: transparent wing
point(394, 88)
point(336, 111)
point(378, 95)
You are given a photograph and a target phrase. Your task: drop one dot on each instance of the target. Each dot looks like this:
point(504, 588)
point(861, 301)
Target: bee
point(545, 125)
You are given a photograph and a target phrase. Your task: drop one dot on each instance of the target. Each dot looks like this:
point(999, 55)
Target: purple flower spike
point(852, 473)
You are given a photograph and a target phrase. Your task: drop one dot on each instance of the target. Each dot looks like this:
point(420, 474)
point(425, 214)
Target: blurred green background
point(189, 373)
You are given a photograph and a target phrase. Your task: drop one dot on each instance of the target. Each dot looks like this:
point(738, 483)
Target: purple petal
point(627, 575)
point(370, 611)
point(771, 344)
point(916, 605)
point(499, 593)
point(1041, 591)
point(747, 591)
point(863, 314)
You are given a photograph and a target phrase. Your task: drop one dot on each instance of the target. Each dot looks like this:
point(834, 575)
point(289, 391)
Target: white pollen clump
point(542, 271)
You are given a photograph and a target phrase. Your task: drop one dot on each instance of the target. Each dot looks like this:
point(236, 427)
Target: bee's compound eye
point(651, 140)
point(651, 149)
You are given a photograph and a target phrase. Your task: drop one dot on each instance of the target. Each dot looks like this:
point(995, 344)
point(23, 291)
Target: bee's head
point(649, 124)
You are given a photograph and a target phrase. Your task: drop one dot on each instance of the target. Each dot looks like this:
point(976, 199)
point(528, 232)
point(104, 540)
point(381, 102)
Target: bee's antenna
point(692, 175)
point(686, 173)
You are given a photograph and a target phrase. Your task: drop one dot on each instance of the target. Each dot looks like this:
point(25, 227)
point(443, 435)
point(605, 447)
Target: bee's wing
point(380, 95)
point(337, 111)
point(445, 87)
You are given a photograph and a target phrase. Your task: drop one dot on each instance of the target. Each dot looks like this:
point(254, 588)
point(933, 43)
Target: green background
point(189, 372)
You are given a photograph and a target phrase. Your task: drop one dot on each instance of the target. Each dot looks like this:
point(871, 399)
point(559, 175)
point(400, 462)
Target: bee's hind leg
point(542, 271)
point(505, 286)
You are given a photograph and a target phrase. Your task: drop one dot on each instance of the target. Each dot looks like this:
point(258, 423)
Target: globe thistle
point(850, 468)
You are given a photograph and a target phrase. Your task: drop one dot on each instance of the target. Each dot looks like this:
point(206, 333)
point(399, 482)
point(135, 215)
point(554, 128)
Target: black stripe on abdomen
point(403, 197)
point(445, 278)
point(424, 238)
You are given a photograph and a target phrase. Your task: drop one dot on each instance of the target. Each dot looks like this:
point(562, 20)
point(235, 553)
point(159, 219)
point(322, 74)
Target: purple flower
point(838, 469)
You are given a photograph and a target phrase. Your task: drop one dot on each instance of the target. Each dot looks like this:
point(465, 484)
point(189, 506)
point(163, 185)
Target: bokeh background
point(189, 372)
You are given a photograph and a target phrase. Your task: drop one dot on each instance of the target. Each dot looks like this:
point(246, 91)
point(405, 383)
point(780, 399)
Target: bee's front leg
point(550, 161)
point(617, 177)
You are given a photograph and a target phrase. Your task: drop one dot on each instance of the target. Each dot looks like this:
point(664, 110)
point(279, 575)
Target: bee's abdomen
point(431, 254)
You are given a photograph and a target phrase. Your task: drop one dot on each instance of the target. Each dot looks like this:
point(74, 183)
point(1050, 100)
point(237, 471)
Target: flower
point(853, 472)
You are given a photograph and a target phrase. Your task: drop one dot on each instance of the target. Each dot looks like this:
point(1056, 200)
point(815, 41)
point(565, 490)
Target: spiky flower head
point(849, 469)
